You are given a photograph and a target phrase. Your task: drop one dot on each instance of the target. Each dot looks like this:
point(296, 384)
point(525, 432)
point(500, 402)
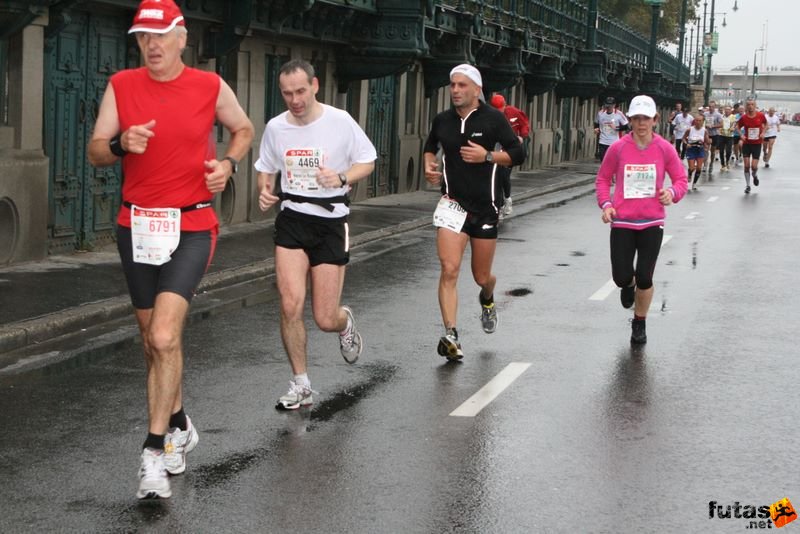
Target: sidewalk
point(63, 301)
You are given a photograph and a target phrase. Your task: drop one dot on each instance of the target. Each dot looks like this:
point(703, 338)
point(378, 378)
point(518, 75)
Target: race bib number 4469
point(302, 167)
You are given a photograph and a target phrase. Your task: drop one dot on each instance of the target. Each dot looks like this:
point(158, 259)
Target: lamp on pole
point(651, 58)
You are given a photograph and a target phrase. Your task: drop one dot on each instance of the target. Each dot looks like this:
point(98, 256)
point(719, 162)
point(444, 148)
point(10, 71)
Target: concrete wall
point(23, 205)
point(24, 170)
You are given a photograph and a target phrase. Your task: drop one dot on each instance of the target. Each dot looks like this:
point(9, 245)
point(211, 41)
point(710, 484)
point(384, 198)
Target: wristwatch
point(234, 164)
point(489, 156)
point(343, 179)
point(115, 145)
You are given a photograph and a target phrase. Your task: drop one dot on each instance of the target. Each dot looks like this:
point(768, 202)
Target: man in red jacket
point(521, 126)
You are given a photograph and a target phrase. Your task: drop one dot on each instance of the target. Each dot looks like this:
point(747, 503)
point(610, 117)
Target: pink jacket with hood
point(639, 213)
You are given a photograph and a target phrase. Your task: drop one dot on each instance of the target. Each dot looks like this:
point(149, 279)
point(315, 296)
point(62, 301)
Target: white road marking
point(473, 405)
point(610, 286)
point(712, 199)
point(604, 291)
point(692, 215)
point(726, 188)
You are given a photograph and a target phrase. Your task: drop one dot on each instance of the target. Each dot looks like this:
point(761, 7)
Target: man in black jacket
point(474, 139)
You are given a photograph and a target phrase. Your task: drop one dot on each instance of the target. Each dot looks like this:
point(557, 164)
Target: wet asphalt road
point(592, 437)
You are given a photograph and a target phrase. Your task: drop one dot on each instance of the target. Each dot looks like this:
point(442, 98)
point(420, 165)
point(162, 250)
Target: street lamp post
point(755, 71)
point(651, 58)
point(707, 92)
point(682, 26)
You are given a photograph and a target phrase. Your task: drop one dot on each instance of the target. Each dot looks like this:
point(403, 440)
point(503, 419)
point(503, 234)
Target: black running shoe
point(747, 190)
point(638, 332)
point(755, 180)
point(766, 165)
point(627, 295)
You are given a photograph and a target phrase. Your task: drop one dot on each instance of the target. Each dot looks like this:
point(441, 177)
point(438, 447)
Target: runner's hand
point(134, 139)
point(216, 176)
point(665, 197)
point(473, 153)
point(609, 214)
point(328, 178)
point(432, 174)
point(265, 197)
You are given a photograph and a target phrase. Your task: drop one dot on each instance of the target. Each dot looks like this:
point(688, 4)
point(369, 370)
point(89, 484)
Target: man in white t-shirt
point(319, 151)
point(771, 134)
point(680, 124)
point(608, 126)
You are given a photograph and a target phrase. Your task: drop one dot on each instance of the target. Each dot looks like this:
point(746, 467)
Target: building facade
point(387, 62)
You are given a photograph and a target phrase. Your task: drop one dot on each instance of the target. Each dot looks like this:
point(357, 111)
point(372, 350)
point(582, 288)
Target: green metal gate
point(80, 58)
point(380, 129)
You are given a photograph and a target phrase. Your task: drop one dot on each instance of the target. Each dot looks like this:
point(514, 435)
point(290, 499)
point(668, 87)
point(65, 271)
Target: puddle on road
point(380, 373)
point(519, 292)
point(227, 469)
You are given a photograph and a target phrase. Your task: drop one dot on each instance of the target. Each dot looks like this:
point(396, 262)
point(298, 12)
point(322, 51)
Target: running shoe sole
point(154, 494)
point(286, 406)
point(449, 350)
point(357, 340)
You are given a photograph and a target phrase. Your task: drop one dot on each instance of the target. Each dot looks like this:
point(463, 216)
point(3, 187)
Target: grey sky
point(779, 19)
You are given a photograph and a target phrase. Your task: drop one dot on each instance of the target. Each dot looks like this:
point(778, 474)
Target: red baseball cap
point(157, 16)
point(498, 101)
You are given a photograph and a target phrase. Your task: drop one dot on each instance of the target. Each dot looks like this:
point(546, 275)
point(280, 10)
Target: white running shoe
point(350, 342)
point(177, 444)
point(153, 479)
point(507, 207)
point(296, 397)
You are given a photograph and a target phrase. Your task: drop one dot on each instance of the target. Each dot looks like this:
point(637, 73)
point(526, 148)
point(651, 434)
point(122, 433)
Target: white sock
point(302, 380)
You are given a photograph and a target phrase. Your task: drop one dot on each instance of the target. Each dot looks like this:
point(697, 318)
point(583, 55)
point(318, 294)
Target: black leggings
point(725, 149)
point(645, 245)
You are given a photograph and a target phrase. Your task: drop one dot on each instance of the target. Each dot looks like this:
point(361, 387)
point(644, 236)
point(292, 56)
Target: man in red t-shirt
point(752, 125)
point(157, 120)
point(521, 126)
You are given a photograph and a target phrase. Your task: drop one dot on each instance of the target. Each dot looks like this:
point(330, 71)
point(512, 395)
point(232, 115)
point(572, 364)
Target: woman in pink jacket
point(636, 165)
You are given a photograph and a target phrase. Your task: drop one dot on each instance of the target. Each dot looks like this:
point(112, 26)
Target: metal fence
point(565, 22)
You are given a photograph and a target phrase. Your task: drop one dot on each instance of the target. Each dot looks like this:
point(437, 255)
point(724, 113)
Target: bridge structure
point(778, 89)
point(772, 81)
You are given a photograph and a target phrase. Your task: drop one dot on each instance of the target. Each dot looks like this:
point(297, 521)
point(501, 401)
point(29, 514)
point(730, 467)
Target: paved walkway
point(60, 297)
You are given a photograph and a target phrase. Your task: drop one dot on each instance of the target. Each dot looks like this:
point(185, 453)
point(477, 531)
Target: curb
point(47, 327)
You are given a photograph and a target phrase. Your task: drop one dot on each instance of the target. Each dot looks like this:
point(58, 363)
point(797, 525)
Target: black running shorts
point(481, 226)
point(181, 274)
point(751, 150)
point(324, 240)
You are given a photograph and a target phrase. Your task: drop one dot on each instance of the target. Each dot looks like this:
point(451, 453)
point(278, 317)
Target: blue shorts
point(695, 152)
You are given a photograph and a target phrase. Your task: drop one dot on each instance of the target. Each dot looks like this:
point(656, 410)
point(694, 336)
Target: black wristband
point(115, 145)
